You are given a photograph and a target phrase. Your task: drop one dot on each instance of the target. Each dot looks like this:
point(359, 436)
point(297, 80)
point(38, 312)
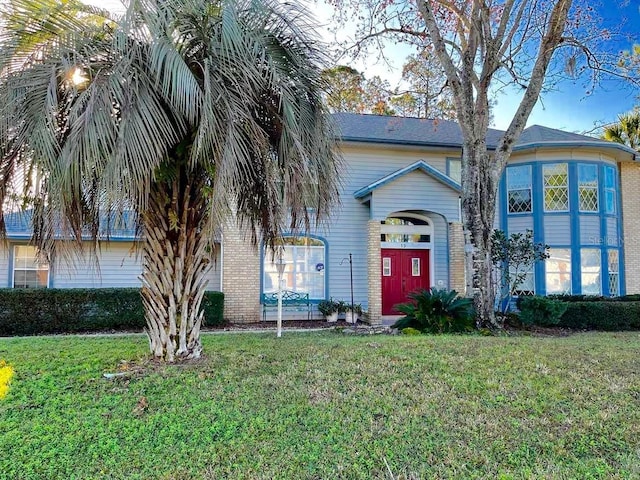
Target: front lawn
point(322, 405)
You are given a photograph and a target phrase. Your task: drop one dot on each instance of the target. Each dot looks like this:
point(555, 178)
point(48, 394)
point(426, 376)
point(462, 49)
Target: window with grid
point(588, 188)
point(609, 189)
point(590, 271)
point(519, 189)
point(527, 283)
point(28, 270)
point(556, 187)
point(558, 271)
point(614, 272)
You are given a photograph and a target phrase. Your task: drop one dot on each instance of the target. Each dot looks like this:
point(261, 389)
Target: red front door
point(403, 271)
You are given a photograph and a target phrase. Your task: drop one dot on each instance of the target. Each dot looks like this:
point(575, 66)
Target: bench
point(290, 300)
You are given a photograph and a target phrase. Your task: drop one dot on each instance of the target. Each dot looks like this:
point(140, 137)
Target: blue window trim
point(574, 215)
point(326, 264)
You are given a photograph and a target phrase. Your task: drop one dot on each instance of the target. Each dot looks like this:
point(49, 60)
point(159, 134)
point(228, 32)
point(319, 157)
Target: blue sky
point(568, 107)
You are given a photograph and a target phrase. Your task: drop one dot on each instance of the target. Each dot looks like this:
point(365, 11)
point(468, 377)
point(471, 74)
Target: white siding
point(557, 230)
point(5, 267)
point(590, 230)
point(415, 191)
point(118, 266)
point(519, 223)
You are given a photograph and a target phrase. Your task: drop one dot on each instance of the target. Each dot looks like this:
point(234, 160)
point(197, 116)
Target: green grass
point(323, 405)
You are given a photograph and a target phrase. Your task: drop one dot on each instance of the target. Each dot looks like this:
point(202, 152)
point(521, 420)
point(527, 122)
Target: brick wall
point(630, 186)
point(240, 276)
point(374, 272)
point(456, 257)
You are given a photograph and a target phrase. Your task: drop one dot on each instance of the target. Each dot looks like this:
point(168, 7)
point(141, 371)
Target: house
point(399, 219)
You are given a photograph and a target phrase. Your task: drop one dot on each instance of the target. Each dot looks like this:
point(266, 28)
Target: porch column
point(240, 276)
point(630, 186)
point(456, 257)
point(374, 268)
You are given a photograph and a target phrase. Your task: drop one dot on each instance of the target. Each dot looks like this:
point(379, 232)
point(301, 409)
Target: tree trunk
point(175, 264)
point(478, 212)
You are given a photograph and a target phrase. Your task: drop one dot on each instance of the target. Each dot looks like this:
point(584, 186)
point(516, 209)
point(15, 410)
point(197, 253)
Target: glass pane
point(519, 201)
point(526, 285)
point(558, 271)
point(556, 199)
point(386, 267)
point(588, 175)
point(609, 177)
point(614, 275)
point(415, 267)
point(519, 178)
point(610, 198)
point(590, 271)
point(455, 169)
point(588, 198)
point(555, 175)
point(304, 260)
point(30, 279)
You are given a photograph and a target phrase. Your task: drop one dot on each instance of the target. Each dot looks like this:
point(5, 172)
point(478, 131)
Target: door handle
point(404, 281)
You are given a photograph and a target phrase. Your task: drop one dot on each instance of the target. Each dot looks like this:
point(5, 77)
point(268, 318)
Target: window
point(519, 189)
point(527, 281)
point(454, 169)
point(415, 267)
point(614, 273)
point(558, 271)
point(386, 267)
point(304, 259)
point(28, 271)
point(588, 188)
point(590, 271)
point(609, 190)
point(404, 230)
point(556, 187)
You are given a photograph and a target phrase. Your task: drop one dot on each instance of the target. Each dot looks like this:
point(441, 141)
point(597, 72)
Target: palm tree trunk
point(175, 265)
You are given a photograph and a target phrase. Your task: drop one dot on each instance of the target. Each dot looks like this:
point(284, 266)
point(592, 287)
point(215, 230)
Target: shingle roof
point(444, 133)
point(19, 227)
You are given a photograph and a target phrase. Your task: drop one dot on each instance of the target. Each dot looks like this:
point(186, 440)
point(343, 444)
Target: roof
point(367, 128)
point(419, 165)
point(19, 227)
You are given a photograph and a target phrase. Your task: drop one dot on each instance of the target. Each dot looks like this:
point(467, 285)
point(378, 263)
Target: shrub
point(436, 311)
point(604, 315)
point(37, 311)
point(410, 331)
point(543, 311)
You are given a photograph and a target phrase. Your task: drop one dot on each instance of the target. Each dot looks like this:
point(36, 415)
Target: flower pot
point(332, 318)
point(350, 317)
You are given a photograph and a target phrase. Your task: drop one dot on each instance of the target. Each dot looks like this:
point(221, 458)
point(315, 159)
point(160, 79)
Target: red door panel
point(403, 271)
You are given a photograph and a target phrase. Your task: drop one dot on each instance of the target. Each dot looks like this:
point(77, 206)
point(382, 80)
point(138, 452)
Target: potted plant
point(330, 309)
point(351, 316)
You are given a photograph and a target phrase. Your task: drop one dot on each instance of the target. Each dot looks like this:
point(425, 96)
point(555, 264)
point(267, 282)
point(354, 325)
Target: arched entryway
point(406, 248)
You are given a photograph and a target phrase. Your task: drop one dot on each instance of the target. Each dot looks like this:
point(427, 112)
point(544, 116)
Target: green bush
point(436, 311)
point(595, 298)
point(543, 311)
point(606, 315)
point(41, 311)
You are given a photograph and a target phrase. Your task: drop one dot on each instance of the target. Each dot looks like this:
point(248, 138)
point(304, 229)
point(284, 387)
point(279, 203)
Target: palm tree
point(626, 130)
point(178, 113)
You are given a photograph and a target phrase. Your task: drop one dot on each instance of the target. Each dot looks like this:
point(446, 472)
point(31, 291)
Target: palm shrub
point(178, 114)
point(436, 311)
